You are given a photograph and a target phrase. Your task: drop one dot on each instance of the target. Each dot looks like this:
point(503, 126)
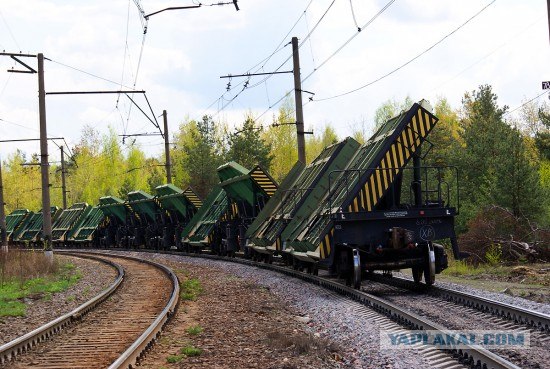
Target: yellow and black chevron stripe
point(192, 197)
point(263, 180)
point(393, 161)
point(326, 244)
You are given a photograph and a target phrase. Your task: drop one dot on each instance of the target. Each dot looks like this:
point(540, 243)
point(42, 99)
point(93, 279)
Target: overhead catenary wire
point(353, 16)
point(90, 74)
point(368, 23)
point(525, 103)
point(262, 63)
point(407, 62)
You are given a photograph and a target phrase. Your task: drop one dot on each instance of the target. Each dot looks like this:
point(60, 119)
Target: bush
point(495, 235)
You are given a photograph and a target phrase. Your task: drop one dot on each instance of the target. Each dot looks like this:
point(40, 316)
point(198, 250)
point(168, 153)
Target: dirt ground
point(233, 323)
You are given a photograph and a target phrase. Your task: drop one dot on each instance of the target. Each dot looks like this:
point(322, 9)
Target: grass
point(190, 289)
point(194, 330)
point(186, 351)
point(531, 281)
point(31, 275)
point(190, 351)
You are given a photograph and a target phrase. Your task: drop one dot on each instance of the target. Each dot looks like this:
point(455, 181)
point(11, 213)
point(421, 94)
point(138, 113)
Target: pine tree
point(248, 148)
point(496, 165)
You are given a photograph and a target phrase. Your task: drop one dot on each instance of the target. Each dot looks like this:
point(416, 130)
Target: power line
point(90, 74)
point(353, 16)
point(406, 63)
point(525, 103)
point(261, 64)
point(359, 29)
point(490, 53)
point(9, 30)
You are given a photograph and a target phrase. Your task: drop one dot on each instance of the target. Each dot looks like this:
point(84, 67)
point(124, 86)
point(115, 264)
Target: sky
point(421, 49)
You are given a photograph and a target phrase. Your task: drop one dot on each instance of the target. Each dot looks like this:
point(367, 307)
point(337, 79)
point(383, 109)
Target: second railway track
point(118, 331)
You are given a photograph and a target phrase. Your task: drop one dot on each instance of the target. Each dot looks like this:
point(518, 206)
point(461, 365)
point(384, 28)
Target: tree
point(283, 142)
point(542, 135)
point(390, 109)
point(156, 175)
point(201, 154)
point(248, 148)
point(315, 144)
point(496, 166)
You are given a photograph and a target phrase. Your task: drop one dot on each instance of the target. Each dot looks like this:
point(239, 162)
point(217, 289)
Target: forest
point(503, 162)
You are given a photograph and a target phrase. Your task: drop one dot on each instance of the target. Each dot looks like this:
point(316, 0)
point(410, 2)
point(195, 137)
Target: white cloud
point(186, 51)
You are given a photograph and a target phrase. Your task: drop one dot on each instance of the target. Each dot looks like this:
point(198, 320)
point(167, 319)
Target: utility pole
point(548, 11)
point(298, 101)
point(167, 147)
point(3, 231)
point(44, 165)
point(300, 133)
point(63, 187)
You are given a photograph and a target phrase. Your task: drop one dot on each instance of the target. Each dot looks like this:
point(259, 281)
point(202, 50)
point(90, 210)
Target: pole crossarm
point(172, 8)
point(144, 113)
point(94, 92)
point(256, 74)
point(16, 56)
point(31, 139)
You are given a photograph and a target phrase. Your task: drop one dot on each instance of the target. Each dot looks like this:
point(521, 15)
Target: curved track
point(471, 356)
point(118, 331)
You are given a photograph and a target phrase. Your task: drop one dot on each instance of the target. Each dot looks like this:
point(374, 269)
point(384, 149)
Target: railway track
point(469, 357)
point(116, 334)
point(531, 319)
point(468, 313)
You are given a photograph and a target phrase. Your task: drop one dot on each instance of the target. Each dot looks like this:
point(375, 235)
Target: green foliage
point(494, 255)
point(542, 136)
point(194, 330)
point(199, 153)
point(248, 148)
point(283, 143)
point(156, 177)
point(172, 359)
point(390, 109)
point(12, 308)
point(190, 289)
point(315, 144)
point(186, 351)
point(496, 165)
point(190, 351)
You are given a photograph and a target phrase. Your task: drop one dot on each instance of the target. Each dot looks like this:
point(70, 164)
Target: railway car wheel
point(356, 269)
point(429, 267)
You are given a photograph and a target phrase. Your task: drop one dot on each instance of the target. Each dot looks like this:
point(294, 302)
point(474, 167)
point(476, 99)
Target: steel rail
point(520, 316)
point(136, 351)
point(10, 350)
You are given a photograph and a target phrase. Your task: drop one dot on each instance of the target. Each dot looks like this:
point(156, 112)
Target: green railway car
point(16, 222)
point(114, 231)
point(229, 209)
point(145, 227)
point(178, 208)
point(64, 226)
point(86, 230)
point(248, 192)
point(202, 230)
point(361, 223)
point(32, 234)
point(297, 196)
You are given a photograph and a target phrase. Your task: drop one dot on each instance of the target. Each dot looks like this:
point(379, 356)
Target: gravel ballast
point(323, 316)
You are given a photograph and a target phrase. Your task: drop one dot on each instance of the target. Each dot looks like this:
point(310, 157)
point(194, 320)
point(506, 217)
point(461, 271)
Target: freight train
point(353, 210)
